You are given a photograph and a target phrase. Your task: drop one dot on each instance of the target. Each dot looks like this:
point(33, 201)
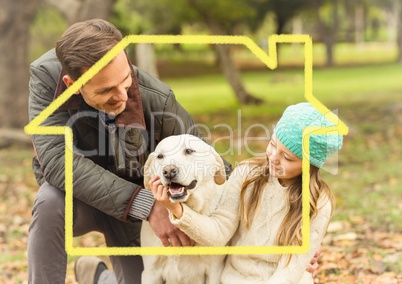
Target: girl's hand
point(161, 195)
point(314, 262)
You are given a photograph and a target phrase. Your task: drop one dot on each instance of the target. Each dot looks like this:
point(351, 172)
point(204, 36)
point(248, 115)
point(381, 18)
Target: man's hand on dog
point(169, 234)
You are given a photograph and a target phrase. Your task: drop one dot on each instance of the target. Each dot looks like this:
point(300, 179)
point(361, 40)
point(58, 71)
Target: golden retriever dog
point(193, 171)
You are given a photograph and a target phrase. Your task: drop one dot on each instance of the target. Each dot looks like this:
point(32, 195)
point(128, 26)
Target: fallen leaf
point(352, 236)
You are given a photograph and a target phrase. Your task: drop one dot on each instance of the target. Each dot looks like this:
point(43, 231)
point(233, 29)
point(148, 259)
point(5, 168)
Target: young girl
point(262, 204)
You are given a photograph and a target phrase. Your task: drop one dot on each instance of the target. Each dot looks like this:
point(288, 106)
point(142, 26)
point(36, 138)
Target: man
point(117, 118)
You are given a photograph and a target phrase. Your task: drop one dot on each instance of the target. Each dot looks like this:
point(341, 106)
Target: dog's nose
point(170, 171)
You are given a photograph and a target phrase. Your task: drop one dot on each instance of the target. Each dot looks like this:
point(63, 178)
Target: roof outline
point(270, 59)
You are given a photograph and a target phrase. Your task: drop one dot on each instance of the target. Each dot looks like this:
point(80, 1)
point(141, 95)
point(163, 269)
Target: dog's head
point(184, 163)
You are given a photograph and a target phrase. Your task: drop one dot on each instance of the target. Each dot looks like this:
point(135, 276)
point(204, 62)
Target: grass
point(349, 85)
point(290, 54)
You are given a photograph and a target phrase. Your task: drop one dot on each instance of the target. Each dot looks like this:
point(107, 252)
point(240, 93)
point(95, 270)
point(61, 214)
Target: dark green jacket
point(108, 160)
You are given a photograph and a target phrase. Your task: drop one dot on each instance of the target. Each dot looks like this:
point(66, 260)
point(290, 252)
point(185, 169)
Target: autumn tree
point(16, 17)
point(393, 9)
point(15, 20)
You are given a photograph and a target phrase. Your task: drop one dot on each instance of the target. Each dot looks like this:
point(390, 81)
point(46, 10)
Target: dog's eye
point(160, 156)
point(189, 151)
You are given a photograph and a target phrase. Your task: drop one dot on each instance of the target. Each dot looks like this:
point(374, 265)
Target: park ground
point(364, 239)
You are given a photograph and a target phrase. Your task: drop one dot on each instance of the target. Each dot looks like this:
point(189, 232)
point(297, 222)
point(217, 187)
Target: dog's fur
point(193, 171)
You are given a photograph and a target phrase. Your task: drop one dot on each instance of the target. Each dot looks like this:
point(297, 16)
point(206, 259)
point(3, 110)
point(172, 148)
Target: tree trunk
point(15, 20)
point(398, 8)
point(145, 58)
point(329, 48)
point(297, 26)
point(230, 70)
point(280, 22)
point(14, 137)
point(328, 32)
point(359, 24)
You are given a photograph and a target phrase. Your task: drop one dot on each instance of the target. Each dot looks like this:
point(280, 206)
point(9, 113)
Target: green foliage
point(46, 29)
point(227, 13)
point(168, 17)
point(127, 19)
point(151, 17)
point(284, 10)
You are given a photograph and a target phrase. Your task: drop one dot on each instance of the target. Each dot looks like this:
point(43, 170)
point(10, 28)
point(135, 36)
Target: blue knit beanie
point(290, 127)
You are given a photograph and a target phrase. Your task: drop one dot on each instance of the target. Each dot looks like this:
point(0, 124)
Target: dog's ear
point(220, 173)
point(148, 170)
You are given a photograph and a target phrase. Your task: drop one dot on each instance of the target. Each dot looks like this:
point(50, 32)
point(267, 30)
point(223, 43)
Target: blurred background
point(357, 54)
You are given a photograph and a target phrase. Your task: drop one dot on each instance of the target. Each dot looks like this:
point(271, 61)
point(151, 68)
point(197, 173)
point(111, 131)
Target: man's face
point(107, 90)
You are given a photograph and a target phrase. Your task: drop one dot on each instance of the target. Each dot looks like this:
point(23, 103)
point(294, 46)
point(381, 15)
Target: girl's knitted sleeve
point(217, 228)
point(298, 264)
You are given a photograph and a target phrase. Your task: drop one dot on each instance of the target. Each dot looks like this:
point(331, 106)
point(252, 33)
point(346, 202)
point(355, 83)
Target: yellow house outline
point(270, 59)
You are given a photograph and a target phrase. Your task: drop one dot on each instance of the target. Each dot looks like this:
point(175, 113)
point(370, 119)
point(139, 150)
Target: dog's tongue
point(175, 188)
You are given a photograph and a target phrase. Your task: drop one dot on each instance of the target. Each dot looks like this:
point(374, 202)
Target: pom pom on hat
point(289, 130)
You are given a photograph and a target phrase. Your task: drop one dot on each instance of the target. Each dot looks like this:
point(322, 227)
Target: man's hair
point(85, 43)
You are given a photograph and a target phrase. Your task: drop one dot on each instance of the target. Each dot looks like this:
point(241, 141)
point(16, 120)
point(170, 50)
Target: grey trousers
point(47, 258)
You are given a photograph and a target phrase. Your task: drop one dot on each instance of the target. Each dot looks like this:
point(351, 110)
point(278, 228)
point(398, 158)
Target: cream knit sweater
point(224, 226)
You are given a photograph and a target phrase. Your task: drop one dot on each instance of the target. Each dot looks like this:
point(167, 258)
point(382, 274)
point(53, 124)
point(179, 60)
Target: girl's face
point(283, 164)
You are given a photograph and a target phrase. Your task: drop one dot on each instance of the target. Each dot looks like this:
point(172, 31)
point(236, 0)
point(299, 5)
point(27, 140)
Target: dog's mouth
point(177, 191)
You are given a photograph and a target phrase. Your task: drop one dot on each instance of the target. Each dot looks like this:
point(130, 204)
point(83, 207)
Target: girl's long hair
point(290, 231)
